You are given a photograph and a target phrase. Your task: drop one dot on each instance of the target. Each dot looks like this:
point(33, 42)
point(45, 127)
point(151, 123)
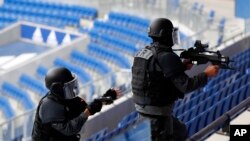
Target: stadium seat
point(33, 84)
point(108, 54)
point(132, 117)
point(53, 14)
point(98, 135)
point(192, 125)
point(5, 106)
point(121, 32)
point(41, 71)
point(18, 94)
point(90, 62)
point(116, 43)
point(128, 21)
point(132, 130)
point(140, 132)
point(211, 16)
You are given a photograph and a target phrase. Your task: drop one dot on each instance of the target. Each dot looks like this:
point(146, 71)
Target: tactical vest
point(44, 132)
point(151, 87)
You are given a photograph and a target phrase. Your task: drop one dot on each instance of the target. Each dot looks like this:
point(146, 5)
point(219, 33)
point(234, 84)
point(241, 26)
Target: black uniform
point(58, 119)
point(158, 80)
point(60, 114)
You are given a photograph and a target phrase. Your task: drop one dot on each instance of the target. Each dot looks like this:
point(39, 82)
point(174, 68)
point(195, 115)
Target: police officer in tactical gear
point(61, 113)
point(159, 79)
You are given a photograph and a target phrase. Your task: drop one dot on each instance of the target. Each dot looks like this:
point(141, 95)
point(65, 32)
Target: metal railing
point(211, 128)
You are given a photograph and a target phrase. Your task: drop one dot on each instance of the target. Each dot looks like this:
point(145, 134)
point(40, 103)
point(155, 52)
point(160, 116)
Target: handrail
point(203, 133)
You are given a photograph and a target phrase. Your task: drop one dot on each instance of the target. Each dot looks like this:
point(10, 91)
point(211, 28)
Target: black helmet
point(62, 82)
point(163, 30)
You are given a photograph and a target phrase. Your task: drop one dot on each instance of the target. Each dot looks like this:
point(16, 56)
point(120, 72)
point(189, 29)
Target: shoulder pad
point(144, 53)
point(50, 111)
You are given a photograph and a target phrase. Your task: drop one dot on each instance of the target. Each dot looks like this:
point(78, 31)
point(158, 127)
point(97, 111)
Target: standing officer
point(61, 114)
point(159, 79)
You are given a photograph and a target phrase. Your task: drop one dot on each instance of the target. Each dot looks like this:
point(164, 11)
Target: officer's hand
point(113, 93)
point(212, 70)
point(187, 63)
point(95, 107)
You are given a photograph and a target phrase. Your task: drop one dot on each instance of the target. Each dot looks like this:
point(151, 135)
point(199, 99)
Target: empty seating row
point(6, 21)
point(221, 93)
point(242, 93)
point(130, 21)
point(113, 42)
point(108, 54)
point(33, 84)
point(90, 62)
point(18, 94)
point(53, 8)
point(208, 115)
point(45, 13)
point(42, 18)
point(121, 32)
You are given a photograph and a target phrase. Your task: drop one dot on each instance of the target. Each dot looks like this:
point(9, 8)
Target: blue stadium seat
point(49, 13)
point(192, 125)
point(201, 107)
point(5, 106)
point(204, 116)
point(133, 131)
point(128, 21)
point(116, 43)
point(33, 84)
point(210, 117)
point(89, 61)
point(132, 117)
point(211, 16)
point(41, 71)
point(219, 109)
point(18, 94)
point(140, 132)
point(98, 135)
point(222, 24)
point(109, 55)
point(121, 32)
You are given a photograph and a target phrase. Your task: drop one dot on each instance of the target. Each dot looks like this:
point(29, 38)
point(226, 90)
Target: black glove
point(111, 93)
point(95, 106)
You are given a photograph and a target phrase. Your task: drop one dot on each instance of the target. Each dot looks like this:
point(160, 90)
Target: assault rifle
point(199, 55)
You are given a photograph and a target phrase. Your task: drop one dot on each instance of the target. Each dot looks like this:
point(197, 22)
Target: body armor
point(152, 86)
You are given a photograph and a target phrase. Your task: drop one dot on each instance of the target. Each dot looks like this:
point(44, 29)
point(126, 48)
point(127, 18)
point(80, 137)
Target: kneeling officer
point(61, 113)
